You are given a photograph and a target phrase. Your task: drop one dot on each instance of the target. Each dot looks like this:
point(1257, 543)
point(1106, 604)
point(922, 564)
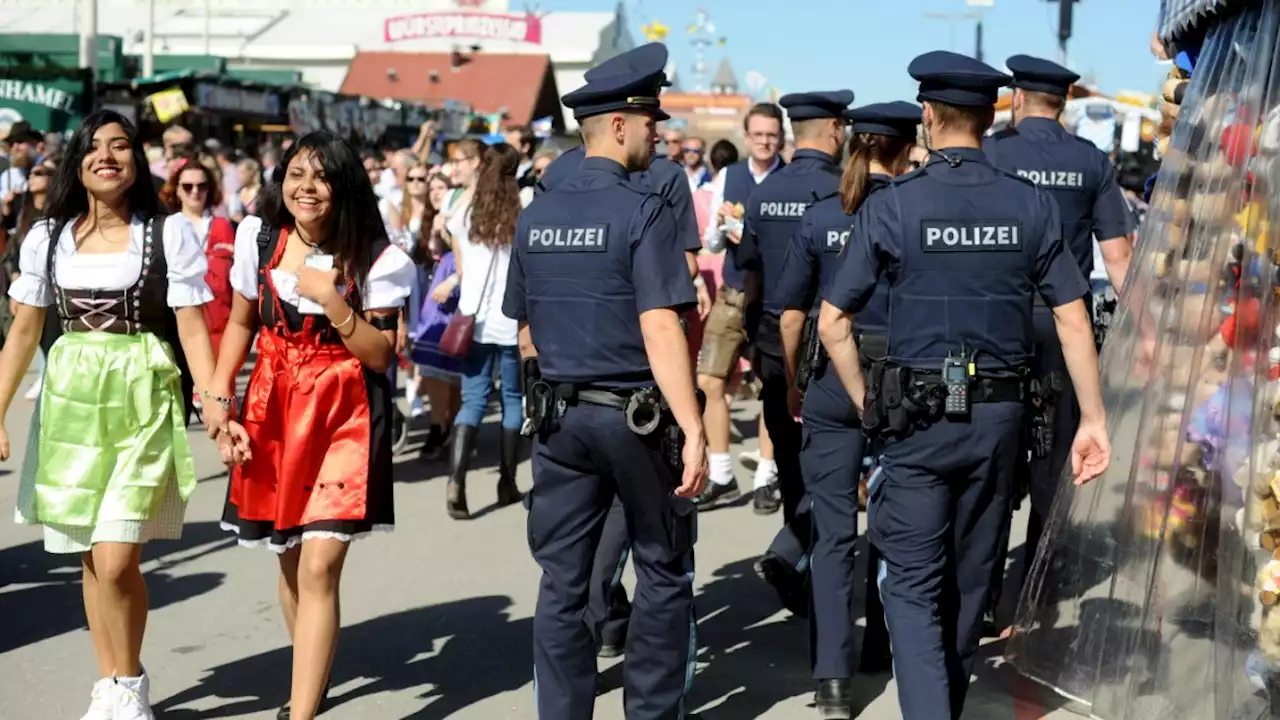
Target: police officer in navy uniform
point(881, 137)
point(1082, 180)
point(772, 217)
point(609, 609)
point(597, 279)
point(964, 246)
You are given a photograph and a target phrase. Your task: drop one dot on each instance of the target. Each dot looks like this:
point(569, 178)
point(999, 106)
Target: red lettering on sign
point(486, 26)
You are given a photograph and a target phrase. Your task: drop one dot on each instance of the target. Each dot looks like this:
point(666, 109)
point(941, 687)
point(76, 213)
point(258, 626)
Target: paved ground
point(436, 618)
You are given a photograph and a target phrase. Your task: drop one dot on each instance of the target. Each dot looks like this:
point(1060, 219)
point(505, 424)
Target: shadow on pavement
point(456, 654)
point(753, 664)
point(54, 605)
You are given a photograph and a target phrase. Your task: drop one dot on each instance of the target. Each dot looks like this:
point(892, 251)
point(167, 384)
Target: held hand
point(704, 301)
point(318, 285)
point(215, 417)
point(4, 443)
point(1090, 452)
point(696, 469)
point(734, 236)
point(234, 444)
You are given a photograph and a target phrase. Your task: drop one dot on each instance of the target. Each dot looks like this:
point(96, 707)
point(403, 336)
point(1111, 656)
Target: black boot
point(508, 492)
point(464, 443)
point(833, 700)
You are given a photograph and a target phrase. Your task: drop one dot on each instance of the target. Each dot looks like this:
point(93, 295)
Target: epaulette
point(1005, 133)
point(819, 197)
point(909, 176)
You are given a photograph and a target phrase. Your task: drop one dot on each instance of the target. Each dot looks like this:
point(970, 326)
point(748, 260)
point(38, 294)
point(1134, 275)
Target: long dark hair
point(495, 204)
point(863, 148)
point(355, 225)
point(68, 199)
point(428, 243)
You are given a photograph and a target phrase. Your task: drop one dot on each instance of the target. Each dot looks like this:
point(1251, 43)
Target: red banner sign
point(485, 26)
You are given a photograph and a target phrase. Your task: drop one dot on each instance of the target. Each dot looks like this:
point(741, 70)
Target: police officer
point(964, 246)
point(609, 609)
point(1082, 180)
point(882, 136)
point(596, 261)
point(772, 217)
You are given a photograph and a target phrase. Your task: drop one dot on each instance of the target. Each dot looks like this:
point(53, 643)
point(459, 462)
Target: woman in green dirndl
point(108, 465)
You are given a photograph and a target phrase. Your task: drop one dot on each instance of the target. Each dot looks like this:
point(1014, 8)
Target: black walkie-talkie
point(957, 371)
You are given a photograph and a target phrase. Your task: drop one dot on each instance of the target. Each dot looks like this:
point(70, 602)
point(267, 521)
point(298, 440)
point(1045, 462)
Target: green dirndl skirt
point(108, 456)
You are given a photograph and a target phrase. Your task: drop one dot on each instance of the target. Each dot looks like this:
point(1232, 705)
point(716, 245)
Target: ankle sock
point(721, 468)
point(766, 473)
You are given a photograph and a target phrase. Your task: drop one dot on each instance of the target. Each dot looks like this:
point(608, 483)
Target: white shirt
point(13, 180)
point(712, 237)
point(477, 298)
point(183, 255)
point(389, 283)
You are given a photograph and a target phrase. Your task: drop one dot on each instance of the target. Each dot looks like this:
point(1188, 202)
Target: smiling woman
point(319, 280)
point(104, 472)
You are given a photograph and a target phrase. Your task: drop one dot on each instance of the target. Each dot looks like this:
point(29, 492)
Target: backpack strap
point(268, 238)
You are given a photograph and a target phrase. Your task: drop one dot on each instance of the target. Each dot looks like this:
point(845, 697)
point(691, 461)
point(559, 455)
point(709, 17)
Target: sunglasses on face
point(193, 187)
point(41, 172)
point(695, 150)
point(417, 178)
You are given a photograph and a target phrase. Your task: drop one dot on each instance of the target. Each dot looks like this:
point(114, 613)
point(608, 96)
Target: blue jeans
point(477, 381)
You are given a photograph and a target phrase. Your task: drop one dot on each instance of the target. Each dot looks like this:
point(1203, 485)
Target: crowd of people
point(842, 275)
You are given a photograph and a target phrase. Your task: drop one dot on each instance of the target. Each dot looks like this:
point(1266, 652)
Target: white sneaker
point(102, 706)
point(133, 698)
point(33, 392)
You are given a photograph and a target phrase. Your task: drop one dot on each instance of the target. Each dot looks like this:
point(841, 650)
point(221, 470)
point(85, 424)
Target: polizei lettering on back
point(1054, 178)
point(960, 236)
point(836, 240)
point(567, 239)
point(782, 209)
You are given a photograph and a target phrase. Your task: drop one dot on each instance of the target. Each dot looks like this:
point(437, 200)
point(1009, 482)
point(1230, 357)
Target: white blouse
point(111, 271)
point(390, 279)
point(485, 303)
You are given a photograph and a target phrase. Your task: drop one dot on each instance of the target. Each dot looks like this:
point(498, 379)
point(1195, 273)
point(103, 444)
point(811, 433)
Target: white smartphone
point(318, 261)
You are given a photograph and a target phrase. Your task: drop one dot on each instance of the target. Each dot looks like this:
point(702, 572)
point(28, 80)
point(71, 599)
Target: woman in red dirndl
point(313, 445)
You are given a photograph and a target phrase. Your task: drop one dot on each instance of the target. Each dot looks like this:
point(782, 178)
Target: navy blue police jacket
point(965, 247)
point(774, 213)
point(663, 177)
point(817, 249)
point(1076, 174)
point(589, 257)
point(739, 184)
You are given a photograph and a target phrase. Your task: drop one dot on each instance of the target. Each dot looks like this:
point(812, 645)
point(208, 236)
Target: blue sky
point(865, 45)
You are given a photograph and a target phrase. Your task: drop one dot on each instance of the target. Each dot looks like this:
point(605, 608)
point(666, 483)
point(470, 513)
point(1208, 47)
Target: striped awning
point(1178, 17)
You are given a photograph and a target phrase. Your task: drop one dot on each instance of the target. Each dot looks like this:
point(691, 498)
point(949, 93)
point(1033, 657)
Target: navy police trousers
point(832, 446)
point(578, 470)
point(608, 607)
point(785, 434)
point(939, 512)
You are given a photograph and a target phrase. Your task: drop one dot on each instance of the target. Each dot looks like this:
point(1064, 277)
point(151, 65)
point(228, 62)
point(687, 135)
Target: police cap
point(630, 81)
point(895, 119)
point(954, 79)
point(816, 105)
point(1036, 75)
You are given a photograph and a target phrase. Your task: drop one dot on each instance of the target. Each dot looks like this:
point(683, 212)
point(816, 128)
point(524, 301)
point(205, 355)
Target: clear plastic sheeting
point(1154, 592)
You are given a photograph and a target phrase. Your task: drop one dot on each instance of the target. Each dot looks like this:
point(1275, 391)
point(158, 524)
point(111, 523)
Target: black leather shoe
point(716, 495)
point(834, 700)
point(765, 501)
point(284, 712)
point(609, 650)
point(789, 584)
